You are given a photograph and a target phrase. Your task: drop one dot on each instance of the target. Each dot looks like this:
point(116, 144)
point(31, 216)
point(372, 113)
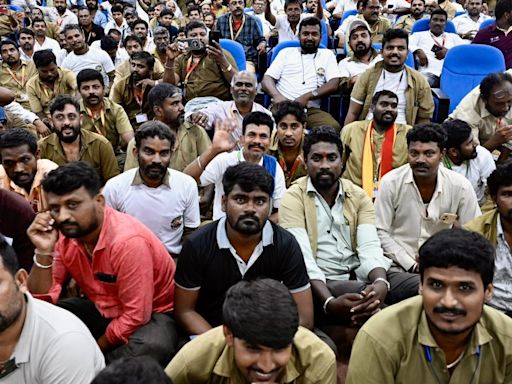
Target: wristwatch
point(382, 280)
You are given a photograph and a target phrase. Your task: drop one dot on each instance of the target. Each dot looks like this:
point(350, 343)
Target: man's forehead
point(20, 150)
point(254, 128)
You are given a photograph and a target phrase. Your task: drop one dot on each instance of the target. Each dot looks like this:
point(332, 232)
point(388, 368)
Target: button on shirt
point(297, 73)
point(502, 282)
point(336, 257)
point(404, 221)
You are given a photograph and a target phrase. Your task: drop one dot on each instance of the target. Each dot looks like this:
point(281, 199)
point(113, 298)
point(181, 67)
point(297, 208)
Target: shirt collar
point(267, 236)
point(479, 337)
point(409, 178)
point(22, 350)
point(137, 179)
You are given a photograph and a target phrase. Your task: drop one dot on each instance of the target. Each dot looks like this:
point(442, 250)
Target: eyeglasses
point(501, 94)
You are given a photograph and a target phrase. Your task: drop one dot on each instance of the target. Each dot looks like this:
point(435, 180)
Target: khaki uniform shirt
point(17, 81)
point(353, 136)
point(418, 94)
point(472, 110)
point(207, 359)
point(191, 142)
point(377, 31)
point(406, 22)
point(94, 149)
point(5, 24)
point(116, 122)
point(36, 195)
point(39, 95)
point(122, 93)
point(450, 9)
point(392, 346)
point(206, 80)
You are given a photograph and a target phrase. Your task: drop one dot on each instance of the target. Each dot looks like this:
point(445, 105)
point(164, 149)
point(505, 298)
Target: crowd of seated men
point(253, 191)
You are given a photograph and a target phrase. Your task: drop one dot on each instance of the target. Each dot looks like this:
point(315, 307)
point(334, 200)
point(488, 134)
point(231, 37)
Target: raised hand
point(42, 232)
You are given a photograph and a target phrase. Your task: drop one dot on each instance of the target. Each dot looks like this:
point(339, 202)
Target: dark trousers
point(157, 338)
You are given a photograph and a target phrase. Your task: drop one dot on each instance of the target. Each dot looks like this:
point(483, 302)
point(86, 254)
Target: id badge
point(141, 118)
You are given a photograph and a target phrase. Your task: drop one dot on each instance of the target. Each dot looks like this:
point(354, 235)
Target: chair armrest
point(442, 101)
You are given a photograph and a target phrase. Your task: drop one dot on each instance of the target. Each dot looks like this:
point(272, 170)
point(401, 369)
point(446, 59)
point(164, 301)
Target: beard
point(308, 47)
point(73, 230)
point(153, 171)
point(9, 317)
point(69, 138)
point(246, 224)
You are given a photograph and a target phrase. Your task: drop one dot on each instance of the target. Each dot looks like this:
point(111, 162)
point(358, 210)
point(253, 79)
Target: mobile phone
point(436, 48)
point(448, 218)
point(214, 36)
point(390, 6)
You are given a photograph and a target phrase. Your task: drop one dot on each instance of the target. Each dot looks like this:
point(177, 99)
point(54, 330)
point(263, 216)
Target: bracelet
point(36, 252)
point(228, 69)
point(199, 163)
point(382, 280)
point(38, 264)
point(327, 301)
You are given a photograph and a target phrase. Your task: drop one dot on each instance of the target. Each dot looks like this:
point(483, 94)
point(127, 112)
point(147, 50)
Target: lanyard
point(448, 164)
point(191, 67)
point(234, 37)
point(47, 90)
point(437, 42)
point(95, 124)
point(15, 78)
point(138, 95)
point(293, 169)
point(399, 80)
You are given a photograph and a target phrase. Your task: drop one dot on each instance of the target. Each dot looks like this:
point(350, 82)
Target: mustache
point(452, 311)
point(256, 146)
point(64, 223)
point(248, 217)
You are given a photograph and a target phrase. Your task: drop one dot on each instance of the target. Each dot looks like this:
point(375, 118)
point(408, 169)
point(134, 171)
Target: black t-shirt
point(203, 264)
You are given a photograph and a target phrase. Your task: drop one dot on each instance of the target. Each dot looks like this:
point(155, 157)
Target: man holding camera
point(202, 68)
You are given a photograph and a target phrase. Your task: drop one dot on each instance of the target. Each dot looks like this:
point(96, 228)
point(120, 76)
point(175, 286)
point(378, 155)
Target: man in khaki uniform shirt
point(384, 108)
point(48, 83)
point(191, 140)
point(70, 143)
point(487, 111)
point(286, 353)
point(15, 72)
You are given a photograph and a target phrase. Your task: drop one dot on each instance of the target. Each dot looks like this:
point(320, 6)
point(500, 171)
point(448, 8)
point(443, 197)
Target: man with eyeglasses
point(487, 110)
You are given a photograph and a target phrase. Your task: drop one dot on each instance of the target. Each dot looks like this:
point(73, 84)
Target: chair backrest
point(347, 14)
point(285, 44)
point(325, 33)
point(486, 23)
point(423, 25)
point(462, 72)
point(236, 50)
point(458, 13)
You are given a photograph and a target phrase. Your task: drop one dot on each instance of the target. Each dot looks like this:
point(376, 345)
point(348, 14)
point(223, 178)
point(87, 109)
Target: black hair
point(492, 80)
point(321, 134)
point(16, 137)
point(71, 27)
point(288, 2)
point(43, 58)
point(502, 7)
point(209, 14)
point(362, 4)
point(113, 31)
point(193, 7)
point(384, 92)
point(394, 33)
point(193, 25)
point(457, 131)
point(261, 312)
point(248, 177)
point(147, 57)
point(129, 38)
point(8, 257)
point(428, 132)
point(500, 177)
point(439, 11)
point(72, 176)
point(289, 107)
point(83, 8)
point(38, 20)
point(166, 11)
point(311, 21)
point(154, 128)
point(160, 92)
point(26, 31)
point(89, 75)
point(133, 370)
point(139, 21)
point(60, 102)
point(8, 42)
point(458, 248)
point(257, 118)
point(108, 43)
point(117, 8)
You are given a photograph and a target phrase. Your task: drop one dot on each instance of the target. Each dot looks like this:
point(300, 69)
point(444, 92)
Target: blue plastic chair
point(236, 50)
point(458, 13)
point(423, 25)
point(462, 73)
point(486, 23)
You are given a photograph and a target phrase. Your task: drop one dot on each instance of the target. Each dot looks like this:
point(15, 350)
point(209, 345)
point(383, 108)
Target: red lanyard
point(294, 166)
point(437, 42)
point(191, 67)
